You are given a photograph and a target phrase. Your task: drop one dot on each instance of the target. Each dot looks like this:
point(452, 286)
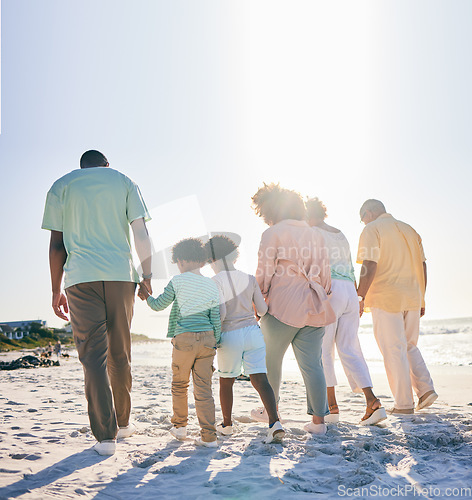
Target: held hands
point(145, 289)
point(59, 305)
point(361, 308)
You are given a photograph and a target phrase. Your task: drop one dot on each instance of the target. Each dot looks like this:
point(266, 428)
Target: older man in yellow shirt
point(392, 286)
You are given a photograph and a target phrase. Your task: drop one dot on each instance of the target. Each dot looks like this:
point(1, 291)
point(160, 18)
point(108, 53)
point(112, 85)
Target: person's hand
point(361, 308)
point(145, 289)
point(422, 311)
point(147, 284)
point(142, 292)
point(59, 305)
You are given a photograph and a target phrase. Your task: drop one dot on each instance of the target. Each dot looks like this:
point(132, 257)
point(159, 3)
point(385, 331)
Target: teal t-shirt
point(93, 208)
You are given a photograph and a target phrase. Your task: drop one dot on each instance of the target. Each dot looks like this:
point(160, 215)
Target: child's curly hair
point(315, 209)
point(189, 250)
point(274, 204)
point(219, 246)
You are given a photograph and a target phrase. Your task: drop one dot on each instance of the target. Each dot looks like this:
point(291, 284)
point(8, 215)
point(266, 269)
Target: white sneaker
point(332, 418)
point(209, 444)
point(107, 447)
point(318, 429)
point(276, 433)
point(226, 430)
point(179, 433)
point(260, 415)
point(126, 432)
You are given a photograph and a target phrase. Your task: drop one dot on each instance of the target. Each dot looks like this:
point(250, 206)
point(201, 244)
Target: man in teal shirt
point(89, 212)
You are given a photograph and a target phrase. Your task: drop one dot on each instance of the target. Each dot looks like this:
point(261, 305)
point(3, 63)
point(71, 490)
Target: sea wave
point(445, 330)
point(436, 327)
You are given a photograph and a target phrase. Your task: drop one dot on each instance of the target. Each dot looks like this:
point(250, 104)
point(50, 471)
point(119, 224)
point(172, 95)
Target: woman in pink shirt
point(294, 276)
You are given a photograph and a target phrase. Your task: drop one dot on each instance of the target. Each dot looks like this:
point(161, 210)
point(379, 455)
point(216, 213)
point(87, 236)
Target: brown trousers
point(194, 352)
point(101, 313)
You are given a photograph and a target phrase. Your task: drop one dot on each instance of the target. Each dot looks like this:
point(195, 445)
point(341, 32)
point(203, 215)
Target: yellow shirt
point(398, 284)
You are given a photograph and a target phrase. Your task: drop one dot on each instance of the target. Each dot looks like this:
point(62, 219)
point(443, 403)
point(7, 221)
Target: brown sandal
point(332, 408)
point(375, 415)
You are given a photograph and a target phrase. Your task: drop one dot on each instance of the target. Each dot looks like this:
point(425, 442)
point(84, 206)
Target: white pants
point(343, 333)
point(397, 335)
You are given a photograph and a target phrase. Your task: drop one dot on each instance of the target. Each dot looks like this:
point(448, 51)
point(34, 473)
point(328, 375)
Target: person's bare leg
point(372, 402)
point(262, 386)
point(332, 403)
point(226, 399)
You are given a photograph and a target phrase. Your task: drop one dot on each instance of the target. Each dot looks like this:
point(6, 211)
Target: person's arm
point(222, 304)
point(266, 262)
point(260, 304)
point(322, 253)
point(222, 311)
point(159, 303)
point(57, 259)
point(369, 268)
point(368, 254)
point(142, 244)
point(215, 320)
point(425, 272)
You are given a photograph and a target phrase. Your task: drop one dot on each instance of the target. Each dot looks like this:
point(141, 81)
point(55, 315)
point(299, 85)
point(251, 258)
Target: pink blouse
point(294, 275)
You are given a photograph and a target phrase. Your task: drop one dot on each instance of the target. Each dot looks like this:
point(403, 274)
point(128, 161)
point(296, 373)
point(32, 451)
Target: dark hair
point(189, 250)
point(315, 209)
point(274, 204)
point(93, 158)
point(219, 246)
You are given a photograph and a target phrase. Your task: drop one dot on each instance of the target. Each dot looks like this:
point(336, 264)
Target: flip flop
point(376, 416)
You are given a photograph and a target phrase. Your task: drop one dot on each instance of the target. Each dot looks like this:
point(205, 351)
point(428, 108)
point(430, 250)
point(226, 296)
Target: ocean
point(442, 342)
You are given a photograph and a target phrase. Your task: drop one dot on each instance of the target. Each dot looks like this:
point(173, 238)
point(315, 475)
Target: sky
point(200, 102)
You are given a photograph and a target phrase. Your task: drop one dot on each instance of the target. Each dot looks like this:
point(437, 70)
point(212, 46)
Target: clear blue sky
point(344, 100)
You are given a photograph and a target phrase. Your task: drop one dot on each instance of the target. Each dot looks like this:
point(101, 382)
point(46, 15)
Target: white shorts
point(243, 348)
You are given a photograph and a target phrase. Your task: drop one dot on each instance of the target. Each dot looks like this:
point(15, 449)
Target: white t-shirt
point(238, 292)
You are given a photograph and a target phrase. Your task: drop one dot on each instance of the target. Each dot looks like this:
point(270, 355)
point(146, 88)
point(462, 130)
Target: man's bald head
point(371, 209)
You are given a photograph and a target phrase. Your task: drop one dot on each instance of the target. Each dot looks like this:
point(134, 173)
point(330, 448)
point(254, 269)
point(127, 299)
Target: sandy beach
point(45, 442)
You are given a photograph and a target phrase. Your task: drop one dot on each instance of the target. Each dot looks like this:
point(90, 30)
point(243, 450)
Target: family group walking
point(304, 293)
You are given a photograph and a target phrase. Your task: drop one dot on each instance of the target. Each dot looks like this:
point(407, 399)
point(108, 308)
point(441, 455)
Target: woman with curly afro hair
point(294, 276)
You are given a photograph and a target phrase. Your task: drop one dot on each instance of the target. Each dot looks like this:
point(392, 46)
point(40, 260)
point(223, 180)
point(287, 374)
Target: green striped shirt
point(195, 305)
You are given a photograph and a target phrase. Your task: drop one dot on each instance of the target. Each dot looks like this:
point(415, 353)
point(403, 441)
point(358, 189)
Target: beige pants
point(194, 352)
point(100, 314)
point(397, 335)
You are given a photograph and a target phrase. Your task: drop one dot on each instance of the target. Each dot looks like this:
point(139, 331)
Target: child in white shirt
point(242, 343)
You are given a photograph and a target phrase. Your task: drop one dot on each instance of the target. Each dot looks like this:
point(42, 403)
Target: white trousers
point(397, 335)
point(343, 333)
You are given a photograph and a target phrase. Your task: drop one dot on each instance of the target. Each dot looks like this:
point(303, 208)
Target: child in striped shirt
point(195, 328)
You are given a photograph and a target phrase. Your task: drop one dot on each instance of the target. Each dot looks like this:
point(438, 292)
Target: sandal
point(332, 408)
point(373, 416)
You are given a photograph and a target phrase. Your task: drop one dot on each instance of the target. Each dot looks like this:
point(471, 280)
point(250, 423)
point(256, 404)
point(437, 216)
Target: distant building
point(25, 324)
point(16, 330)
point(10, 333)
